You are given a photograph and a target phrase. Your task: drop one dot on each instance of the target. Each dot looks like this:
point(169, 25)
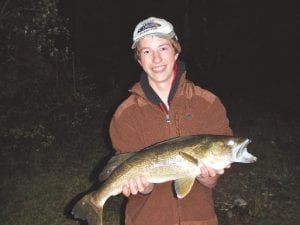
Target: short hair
point(174, 42)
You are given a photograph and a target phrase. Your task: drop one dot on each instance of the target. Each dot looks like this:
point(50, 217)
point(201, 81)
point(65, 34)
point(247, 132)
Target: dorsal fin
point(112, 164)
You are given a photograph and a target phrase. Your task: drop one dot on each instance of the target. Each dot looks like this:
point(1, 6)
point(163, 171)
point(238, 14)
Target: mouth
point(240, 153)
point(158, 69)
point(242, 147)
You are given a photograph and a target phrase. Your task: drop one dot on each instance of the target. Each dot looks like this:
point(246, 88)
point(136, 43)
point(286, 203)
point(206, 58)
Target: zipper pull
point(168, 119)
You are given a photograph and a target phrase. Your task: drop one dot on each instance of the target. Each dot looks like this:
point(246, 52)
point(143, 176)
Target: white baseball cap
point(153, 26)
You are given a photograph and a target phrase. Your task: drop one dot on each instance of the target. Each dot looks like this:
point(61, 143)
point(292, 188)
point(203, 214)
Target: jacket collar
point(151, 95)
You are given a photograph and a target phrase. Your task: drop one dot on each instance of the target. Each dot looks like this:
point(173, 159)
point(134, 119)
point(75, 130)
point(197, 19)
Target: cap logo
point(148, 26)
point(153, 26)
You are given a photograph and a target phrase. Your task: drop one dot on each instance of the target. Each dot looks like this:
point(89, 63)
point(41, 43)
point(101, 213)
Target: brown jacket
point(138, 123)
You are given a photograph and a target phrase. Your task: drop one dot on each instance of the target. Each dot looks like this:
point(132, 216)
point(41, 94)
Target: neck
point(162, 90)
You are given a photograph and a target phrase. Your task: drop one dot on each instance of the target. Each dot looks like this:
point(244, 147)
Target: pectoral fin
point(189, 158)
point(183, 186)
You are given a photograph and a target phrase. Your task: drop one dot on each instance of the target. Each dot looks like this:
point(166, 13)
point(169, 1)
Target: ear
point(176, 56)
point(139, 61)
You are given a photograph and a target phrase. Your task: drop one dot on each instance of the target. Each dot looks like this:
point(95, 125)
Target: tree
point(35, 24)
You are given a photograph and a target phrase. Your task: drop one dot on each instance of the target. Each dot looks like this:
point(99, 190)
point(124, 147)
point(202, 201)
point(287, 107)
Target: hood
point(144, 90)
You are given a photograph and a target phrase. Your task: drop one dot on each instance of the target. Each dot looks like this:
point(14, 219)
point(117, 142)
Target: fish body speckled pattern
point(177, 159)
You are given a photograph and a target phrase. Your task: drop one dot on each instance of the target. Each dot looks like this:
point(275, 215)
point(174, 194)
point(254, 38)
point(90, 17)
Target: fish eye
point(231, 143)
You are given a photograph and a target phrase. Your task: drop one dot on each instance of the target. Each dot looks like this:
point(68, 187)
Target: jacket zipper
point(166, 111)
point(168, 119)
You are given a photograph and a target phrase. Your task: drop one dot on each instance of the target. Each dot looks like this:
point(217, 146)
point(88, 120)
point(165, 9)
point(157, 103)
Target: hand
point(136, 185)
point(209, 172)
point(209, 177)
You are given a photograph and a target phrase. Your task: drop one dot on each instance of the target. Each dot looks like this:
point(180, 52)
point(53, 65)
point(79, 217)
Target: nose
point(156, 57)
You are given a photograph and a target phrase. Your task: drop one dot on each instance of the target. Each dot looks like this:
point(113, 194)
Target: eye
point(164, 48)
point(145, 52)
point(231, 143)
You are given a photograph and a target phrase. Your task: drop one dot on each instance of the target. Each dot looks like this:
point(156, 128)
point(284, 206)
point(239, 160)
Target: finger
point(220, 172)
point(211, 172)
point(125, 191)
point(204, 172)
point(133, 187)
point(139, 184)
point(145, 182)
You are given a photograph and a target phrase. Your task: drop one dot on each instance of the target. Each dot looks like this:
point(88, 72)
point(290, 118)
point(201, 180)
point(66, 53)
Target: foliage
point(35, 23)
point(35, 50)
point(36, 73)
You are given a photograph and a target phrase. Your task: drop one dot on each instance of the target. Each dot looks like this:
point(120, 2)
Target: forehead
point(151, 41)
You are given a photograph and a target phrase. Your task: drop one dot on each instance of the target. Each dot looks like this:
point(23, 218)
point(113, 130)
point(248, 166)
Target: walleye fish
point(178, 159)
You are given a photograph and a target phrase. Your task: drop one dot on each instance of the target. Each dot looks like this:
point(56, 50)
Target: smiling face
point(157, 57)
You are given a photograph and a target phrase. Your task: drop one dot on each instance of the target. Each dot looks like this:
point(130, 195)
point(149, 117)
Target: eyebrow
point(162, 45)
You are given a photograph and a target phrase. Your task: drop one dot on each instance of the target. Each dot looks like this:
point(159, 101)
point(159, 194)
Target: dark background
point(233, 46)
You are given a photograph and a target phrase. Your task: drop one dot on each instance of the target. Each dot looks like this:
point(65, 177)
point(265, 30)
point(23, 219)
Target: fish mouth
point(240, 153)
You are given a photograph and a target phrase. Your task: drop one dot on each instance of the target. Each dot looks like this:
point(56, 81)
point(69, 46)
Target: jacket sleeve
point(124, 133)
point(216, 118)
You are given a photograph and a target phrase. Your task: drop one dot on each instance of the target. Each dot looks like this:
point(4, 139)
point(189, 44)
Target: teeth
point(158, 69)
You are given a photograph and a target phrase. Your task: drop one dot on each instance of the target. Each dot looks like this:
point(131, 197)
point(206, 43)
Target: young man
point(162, 105)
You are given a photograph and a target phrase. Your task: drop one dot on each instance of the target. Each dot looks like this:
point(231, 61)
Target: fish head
point(221, 151)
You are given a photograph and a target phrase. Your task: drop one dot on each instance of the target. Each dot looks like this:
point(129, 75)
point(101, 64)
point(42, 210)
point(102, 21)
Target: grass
point(42, 191)
point(46, 195)
point(40, 199)
point(46, 198)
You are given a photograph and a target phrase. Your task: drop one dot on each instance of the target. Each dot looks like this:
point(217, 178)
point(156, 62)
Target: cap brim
point(166, 36)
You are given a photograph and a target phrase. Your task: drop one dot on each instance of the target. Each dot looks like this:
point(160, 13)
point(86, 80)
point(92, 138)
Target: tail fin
point(86, 210)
